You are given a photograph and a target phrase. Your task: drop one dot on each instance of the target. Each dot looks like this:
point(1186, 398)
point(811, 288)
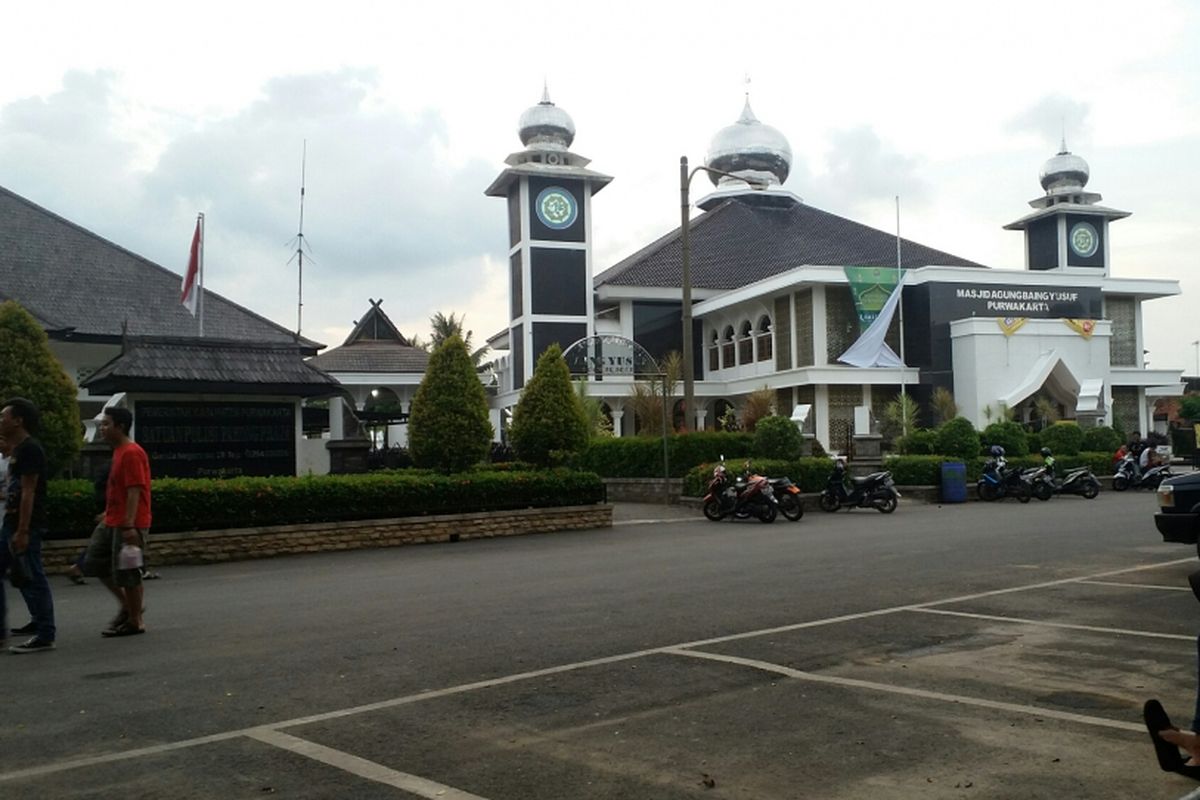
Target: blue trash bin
point(954, 482)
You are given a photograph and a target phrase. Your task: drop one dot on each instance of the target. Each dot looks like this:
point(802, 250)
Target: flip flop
point(128, 630)
point(1169, 759)
point(1190, 771)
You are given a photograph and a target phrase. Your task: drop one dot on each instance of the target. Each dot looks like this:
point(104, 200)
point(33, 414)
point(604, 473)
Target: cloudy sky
point(130, 118)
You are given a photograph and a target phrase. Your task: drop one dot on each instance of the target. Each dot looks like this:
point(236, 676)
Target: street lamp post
point(685, 209)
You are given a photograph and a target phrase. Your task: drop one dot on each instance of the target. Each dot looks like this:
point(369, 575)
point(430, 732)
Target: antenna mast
point(300, 245)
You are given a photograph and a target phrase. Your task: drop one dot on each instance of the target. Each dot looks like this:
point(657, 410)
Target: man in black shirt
point(25, 521)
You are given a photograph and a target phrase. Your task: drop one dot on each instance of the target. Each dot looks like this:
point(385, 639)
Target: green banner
point(871, 287)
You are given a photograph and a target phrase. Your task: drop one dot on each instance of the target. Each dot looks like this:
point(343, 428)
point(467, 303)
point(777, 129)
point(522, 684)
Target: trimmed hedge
point(203, 504)
point(1063, 438)
point(1007, 434)
point(1101, 439)
point(921, 442)
point(927, 470)
point(957, 437)
point(810, 474)
point(641, 456)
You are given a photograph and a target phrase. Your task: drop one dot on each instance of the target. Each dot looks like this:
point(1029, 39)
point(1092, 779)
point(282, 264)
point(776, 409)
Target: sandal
point(1169, 758)
point(77, 579)
point(125, 629)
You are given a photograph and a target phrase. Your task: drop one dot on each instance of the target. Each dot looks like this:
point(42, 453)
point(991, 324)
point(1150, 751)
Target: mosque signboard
point(217, 439)
point(963, 300)
point(610, 356)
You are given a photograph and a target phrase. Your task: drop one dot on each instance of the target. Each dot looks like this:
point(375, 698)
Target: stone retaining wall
point(643, 490)
point(204, 547)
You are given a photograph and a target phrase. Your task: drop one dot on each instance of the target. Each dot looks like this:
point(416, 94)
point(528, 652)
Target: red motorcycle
point(742, 499)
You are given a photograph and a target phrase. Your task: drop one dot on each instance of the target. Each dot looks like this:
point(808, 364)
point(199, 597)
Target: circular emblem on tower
point(1083, 239)
point(556, 208)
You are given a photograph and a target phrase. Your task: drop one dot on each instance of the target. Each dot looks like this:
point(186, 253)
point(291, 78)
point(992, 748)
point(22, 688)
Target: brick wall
point(204, 547)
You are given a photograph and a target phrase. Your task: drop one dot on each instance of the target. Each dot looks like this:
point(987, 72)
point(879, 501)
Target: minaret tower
point(549, 193)
point(1068, 231)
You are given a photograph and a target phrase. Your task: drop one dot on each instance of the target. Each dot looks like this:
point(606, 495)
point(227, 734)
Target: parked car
point(1178, 518)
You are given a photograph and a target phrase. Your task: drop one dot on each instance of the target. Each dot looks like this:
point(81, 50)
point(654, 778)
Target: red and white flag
point(189, 293)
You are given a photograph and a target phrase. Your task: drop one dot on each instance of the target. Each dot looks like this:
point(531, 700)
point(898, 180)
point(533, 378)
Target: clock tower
point(1068, 231)
point(549, 192)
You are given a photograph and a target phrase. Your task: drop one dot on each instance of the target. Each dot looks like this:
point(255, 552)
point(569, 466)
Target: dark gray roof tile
point(59, 271)
point(740, 242)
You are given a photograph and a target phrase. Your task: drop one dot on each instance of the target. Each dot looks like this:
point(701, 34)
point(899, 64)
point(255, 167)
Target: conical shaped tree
point(28, 369)
point(549, 420)
point(448, 428)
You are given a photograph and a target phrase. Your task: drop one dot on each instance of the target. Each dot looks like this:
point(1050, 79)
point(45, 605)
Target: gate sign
point(610, 356)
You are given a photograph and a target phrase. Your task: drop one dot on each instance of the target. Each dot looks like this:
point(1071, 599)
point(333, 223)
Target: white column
point(820, 341)
point(701, 414)
point(617, 416)
point(821, 397)
point(336, 429)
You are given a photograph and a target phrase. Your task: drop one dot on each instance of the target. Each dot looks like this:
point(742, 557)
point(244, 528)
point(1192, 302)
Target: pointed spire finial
point(546, 93)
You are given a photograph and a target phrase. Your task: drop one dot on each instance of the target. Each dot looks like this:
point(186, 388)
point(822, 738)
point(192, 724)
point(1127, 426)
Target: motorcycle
point(1078, 481)
point(876, 490)
point(1127, 475)
point(740, 499)
point(787, 495)
point(1040, 481)
point(998, 481)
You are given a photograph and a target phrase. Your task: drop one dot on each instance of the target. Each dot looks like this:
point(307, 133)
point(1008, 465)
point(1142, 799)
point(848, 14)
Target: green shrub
point(549, 421)
point(957, 437)
point(1101, 439)
point(777, 437)
point(448, 428)
point(810, 474)
point(921, 442)
point(30, 370)
point(1063, 438)
point(1034, 440)
point(210, 504)
point(642, 456)
point(1009, 435)
point(1189, 407)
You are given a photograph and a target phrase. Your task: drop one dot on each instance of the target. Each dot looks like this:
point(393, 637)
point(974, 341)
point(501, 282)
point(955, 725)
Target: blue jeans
point(37, 593)
point(1196, 719)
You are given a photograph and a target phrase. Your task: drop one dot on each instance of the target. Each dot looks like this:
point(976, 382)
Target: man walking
point(25, 522)
point(126, 520)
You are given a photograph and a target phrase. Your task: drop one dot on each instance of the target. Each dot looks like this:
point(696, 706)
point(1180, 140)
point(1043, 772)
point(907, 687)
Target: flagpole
point(900, 288)
point(200, 275)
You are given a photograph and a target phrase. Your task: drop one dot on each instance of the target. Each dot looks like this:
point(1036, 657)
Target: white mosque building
point(775, 283)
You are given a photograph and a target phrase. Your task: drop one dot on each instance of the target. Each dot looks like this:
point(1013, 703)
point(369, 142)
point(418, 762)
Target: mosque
point(781, 291)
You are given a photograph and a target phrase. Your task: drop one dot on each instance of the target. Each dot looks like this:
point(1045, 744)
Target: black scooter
point(998, 481)
point(1078, 481)
point(876, 490)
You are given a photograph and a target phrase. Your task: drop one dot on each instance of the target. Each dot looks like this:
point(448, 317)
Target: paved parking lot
point(974, 651)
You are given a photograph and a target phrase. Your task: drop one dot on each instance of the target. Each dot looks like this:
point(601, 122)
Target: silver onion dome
point(546, 126)
point(1064, 172)
point(748, 148)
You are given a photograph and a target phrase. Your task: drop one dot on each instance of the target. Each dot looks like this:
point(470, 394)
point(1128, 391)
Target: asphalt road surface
point(979, 651)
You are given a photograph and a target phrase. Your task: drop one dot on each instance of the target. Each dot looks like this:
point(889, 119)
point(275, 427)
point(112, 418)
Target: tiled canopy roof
point(210, 365)
point(73, 280)
point(366, 356)
point(741, 242)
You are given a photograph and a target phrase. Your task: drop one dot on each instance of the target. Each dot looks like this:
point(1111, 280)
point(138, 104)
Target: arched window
point(727, 350)
point(746, 344)
point(764, 338)
point(714, 353)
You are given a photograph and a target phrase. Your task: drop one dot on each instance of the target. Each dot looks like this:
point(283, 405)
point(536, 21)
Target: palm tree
point(443, 327)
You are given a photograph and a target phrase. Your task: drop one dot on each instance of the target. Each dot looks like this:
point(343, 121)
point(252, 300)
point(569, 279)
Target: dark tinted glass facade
point(558, 281)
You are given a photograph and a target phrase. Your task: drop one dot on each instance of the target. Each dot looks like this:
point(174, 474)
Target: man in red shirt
point(126, 520)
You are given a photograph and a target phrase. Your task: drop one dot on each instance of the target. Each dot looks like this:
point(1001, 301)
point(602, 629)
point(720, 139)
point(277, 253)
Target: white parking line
point(1157, 586)
point(652, 521)
point(69, 764)
point(1047, 624)
point(854, 683)
point(413, 784)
